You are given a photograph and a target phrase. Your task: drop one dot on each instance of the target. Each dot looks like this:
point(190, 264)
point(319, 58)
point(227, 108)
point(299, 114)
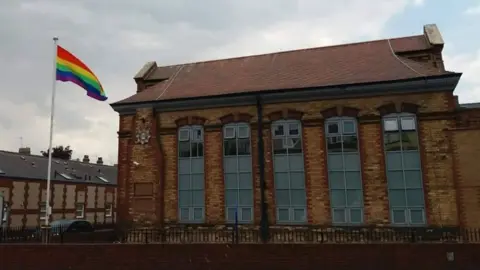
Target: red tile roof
point(315, 67)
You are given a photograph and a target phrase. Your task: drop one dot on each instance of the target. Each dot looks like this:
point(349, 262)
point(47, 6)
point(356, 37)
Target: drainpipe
point(261, 162)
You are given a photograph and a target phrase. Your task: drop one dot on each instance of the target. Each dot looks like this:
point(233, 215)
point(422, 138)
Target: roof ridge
point(291, 51)
point(53, 159)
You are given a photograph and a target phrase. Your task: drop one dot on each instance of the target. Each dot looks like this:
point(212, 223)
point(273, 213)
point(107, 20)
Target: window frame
point(285, 123)
point(347, 210)
point(192, 129)
point(238, 208)
point(82, 210)
point(407, 209)
point(109, 210)
point(42, 206)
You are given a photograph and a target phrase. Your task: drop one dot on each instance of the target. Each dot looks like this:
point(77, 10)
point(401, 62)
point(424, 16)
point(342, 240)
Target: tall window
point(237, 160)
point(344, 171)
point(80, 210)
point(289, 171)
point(191, 191)
point(404, 176)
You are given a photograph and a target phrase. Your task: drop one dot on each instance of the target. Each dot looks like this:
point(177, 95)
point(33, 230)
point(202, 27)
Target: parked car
point(77, 230)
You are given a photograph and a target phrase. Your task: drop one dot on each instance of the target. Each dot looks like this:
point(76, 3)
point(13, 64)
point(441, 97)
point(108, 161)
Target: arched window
point(344, 170)
point(237, 161)
point(289, 171)
point(404, 172)
point(191, 191)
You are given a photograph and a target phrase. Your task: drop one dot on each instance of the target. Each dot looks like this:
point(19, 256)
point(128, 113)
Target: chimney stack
point(86, 159)
point(100, 160)
point(24, 151)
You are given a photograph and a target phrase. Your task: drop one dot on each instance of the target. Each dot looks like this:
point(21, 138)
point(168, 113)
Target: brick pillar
point(214, 185)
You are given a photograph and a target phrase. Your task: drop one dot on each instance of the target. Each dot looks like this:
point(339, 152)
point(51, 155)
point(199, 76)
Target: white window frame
point(186, 135)
point(43, 210)
point(232, 129)
point(108, 210)
point(82, 210)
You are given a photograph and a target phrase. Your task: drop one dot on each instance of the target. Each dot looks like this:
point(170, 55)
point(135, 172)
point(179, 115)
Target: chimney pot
point(24, 151)
point(86, 159)
point(99, 160)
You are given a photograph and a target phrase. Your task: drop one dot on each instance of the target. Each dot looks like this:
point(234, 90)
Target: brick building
point(79, 189)
point(364, 133)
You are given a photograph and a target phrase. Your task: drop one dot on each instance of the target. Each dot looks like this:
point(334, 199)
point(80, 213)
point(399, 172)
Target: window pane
point(184, 198)
point(230, 147)
point(336, 180)
point(348, 127)
point(413, 179)
point(231, 181)
point(352, 161)
point(283, 198)
point(231, 197)
point(296, 162)
point(246, 197)
point(231, 214)
point(350, 143)
point(399, 216)
point(281, 163)
point(246, 214)
point(245, 164)
point(245, 180)
point(395, 179)
point(184, 135)
point(353, 180)
point(230, 164)
point(392, 141)
point(298, 197)
point(338, 198)
point(184, 166)
point(200, 150)
point(397, 198)
point(197, 181)
point(408, 123)
point(415, 197)
point(394, 160)
point(299, 214)
point(293, 129)
point(283, 214)
point(243, 132)
point(184, 149)
point(354, 197)
point(297, 180)
point(334, 144)
point(409, 140)
point(282, 181)
point(198, 214)
point(295, 145)
point(184, 182)
point(194, 149)
point(332, 128)
point(244, 146)
point(278, 130)
point(356, 215)
point(229, 132)
point(339, 216)
point(197, 198)
point(416, 217)
point(184, 214)
point(335, 162)
point(278, 146)
point(197, 165)
point(411, 160)
point(390, 124)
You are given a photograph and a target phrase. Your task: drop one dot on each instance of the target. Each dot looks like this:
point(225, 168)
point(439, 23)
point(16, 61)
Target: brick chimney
point(24, 151)
point(86, 159)
point(100, 160)
point(141, 76)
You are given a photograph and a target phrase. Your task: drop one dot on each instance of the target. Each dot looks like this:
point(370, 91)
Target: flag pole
point(52, 114)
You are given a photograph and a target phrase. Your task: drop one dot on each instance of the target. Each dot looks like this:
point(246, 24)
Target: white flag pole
point(52, 114)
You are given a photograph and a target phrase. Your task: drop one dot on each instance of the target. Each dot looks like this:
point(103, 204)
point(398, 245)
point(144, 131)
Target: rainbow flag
point(71, 69)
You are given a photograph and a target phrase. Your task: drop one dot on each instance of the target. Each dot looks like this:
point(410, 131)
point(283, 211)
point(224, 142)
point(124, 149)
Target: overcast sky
point(115, 38)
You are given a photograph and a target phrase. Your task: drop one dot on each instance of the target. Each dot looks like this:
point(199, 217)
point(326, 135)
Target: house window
point(43, 210)
point(191, 191)
point(4, 212)
point(289, 172)
point(237, 162)
point(344, 173)
point(80, 210)
point(108, 210)
point(404, 173)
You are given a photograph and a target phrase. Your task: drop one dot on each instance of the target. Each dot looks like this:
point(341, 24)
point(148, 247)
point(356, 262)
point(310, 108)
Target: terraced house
point(79, 189)
point(355, 134)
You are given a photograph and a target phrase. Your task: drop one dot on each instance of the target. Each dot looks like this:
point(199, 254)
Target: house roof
point(365, 62)
point(16, 165)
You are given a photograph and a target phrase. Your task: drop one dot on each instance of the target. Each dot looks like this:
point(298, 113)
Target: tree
point(60, 152)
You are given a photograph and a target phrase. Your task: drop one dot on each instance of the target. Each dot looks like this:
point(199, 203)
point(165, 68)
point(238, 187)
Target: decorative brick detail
point(285, 114)
point(190, 120)
point(340, 111)
point(236, 117)
point(409, 108)
point(388, 109)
